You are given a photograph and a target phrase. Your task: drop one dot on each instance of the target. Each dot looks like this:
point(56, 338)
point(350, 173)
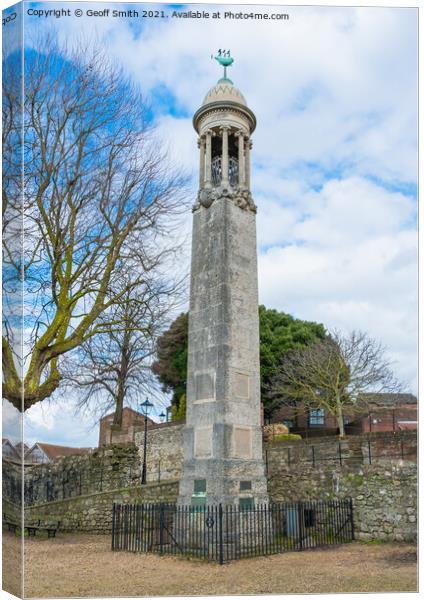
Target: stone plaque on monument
point(205, 386)
point(241, 385)
point(203, 442)
point(242, 442)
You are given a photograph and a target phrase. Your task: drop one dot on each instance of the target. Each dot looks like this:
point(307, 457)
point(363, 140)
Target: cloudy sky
point(334, 159)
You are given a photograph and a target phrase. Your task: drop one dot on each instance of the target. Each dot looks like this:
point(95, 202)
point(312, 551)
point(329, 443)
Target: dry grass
point(12, 564)
point(83, 565)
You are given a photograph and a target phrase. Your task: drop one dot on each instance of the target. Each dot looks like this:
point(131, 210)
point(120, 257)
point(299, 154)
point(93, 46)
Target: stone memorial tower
point(223, 460)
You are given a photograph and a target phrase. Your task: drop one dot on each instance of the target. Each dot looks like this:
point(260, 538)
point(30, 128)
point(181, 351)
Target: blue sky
point(334, 159)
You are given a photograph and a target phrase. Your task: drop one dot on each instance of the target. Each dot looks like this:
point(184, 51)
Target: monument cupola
point(225, 125)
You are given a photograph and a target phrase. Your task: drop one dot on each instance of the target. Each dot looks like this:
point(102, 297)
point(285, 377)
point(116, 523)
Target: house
point(9, 451)
point(21, 449)
point(132, 421)
point(381, 412)
point(47, 453)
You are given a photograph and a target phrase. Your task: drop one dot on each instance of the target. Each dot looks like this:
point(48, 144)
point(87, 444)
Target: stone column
point(224, 162)
point(247, 159)
point(240, 158)
point(201, 145)
point(208, 179)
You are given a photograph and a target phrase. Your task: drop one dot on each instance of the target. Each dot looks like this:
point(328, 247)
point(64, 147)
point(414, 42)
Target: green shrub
point(180, 412)
point(282, 437)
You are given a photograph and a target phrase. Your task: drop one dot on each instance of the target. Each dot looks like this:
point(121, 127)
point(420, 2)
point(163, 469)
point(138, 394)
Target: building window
point(245, 485)
point(317, 417)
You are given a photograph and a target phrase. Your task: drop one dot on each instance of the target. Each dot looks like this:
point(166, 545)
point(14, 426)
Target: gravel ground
point(83, 565)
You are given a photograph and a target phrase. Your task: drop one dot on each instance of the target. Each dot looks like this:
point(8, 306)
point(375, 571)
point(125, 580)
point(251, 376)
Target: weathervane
point(224, 58)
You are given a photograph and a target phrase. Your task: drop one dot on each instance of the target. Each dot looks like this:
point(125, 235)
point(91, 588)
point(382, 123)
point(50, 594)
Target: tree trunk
point(339, 417)
point(119, 405)
point(122, 378)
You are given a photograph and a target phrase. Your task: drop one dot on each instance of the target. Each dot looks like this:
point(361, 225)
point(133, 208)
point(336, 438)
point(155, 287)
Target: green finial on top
point(225, 59)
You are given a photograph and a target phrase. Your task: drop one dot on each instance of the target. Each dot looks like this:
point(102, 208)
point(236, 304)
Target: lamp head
point(145, 407)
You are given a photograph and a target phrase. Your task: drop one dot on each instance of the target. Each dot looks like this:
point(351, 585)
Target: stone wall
point(164, 456)
point(104, 469)
point(378, 471)
point(92, 513)
point(370, 470)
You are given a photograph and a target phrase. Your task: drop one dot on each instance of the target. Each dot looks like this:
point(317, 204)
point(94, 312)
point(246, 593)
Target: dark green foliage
point(171, 364)
point(279, 333)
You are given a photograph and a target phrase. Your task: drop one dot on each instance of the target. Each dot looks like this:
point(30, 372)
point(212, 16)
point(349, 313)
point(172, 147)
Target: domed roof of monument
point(224, 91)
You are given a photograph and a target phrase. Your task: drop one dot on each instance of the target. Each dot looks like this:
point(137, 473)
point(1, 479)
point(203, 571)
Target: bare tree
point(114, 368)
point(338, 374)
point(99, 200)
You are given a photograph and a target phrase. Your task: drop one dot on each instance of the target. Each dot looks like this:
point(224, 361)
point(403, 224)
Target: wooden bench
point(50, 528)
point(11, 525)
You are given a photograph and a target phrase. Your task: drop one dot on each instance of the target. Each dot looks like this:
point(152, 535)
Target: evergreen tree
point(279, 334)
point(171, 364)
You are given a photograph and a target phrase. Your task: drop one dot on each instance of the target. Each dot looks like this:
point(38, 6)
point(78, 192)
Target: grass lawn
point(83, 565)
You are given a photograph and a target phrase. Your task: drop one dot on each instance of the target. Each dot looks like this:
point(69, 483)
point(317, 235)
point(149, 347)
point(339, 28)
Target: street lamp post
point(145, 408)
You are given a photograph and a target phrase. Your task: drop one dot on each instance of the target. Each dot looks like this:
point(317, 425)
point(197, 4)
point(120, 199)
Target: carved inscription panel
point(204, 386)
point(242, 442)
point(241, 385)
point(203, 442)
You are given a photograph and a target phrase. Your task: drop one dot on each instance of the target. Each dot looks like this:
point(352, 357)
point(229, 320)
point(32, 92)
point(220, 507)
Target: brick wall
point(132, 421)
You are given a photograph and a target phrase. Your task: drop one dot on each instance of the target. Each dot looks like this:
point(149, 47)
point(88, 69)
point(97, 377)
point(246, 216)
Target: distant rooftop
point(386, 399)
point(53, 451)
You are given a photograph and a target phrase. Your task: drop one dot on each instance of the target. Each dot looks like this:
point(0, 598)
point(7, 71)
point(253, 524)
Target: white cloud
point(335, 94)
point(57, 422)
point(350, 263)
point(11, 422)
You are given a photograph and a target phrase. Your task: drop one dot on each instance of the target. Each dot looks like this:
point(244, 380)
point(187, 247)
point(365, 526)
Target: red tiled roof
point(53, 451)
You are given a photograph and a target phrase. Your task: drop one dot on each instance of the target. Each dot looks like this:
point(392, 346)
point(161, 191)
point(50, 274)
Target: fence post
point(161, 524)
point(313, 456)
point(340, 454)
point(351, 518)
point(221, 543)
point(266, 461)
point(288, 457)
point(401, 448)
point(113, 525)
point(369, 451)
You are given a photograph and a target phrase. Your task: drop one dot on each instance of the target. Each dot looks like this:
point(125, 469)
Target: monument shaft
point(223, 460)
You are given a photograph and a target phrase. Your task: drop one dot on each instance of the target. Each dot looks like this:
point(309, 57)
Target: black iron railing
point(223, 533)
